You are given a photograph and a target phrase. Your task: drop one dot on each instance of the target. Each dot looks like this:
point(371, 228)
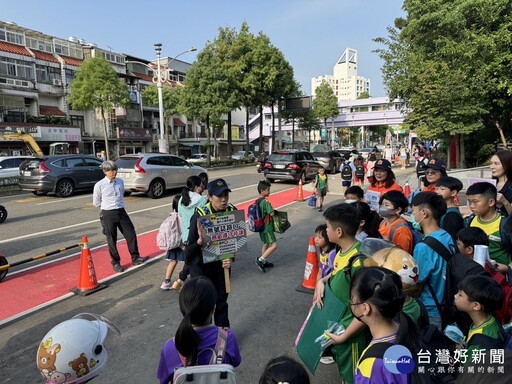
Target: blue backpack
point(416, 236)
point(254, 217)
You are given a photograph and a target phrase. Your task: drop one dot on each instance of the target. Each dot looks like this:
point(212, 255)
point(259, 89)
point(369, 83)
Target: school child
point(322, 185)
point(353, 194)
point(452, 222)
point(175, 254)
point(190, 199)
point(284, 369)
point(326, 251)
point(348, 171)
point(376, 297)
point(196, 336)
point(369, 221)
point(394, 228)
point(267, 236)
point(360, 171)
point(467, 238)
point(342, 221)
point(482, 202)
point(427, 210)
point(479, 296)
point(370, 164)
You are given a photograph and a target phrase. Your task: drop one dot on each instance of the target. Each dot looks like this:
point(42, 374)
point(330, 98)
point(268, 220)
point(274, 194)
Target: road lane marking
point(60, 200)
point(31, 199)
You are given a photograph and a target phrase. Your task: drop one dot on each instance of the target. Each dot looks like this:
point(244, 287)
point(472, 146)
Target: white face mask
point(350, 201)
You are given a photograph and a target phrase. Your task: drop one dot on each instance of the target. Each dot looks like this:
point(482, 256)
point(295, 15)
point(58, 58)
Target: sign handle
point(227, 280)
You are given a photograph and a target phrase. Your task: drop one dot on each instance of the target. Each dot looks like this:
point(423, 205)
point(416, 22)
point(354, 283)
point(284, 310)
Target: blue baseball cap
point(216, 187)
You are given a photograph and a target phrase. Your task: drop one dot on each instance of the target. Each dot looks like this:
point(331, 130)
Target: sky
point(312, 34)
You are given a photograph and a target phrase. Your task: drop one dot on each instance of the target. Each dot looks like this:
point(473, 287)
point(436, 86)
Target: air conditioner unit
point(57, 82)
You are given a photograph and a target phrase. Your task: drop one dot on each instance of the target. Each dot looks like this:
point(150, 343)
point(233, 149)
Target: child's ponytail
point(197, 303)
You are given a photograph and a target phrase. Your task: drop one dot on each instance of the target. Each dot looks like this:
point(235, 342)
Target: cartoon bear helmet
point(76, 350)
point(399, 261)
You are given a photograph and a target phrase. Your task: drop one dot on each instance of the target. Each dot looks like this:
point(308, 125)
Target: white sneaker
point(327, 360)
point(166, 286)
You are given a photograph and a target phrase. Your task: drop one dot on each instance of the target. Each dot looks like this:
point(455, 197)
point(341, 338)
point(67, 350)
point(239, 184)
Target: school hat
point(383, 164)
point(436, 164)
point(216, 187)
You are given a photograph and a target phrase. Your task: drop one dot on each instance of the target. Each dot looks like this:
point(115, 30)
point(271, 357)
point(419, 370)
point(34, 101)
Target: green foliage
point(364, 95)
point(97, 85)
point(325, 102)
point(170, 98)
point(55, 120)
point(451, 62)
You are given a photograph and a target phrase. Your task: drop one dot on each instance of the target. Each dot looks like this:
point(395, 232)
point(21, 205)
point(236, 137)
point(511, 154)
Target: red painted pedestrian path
point(35, 287)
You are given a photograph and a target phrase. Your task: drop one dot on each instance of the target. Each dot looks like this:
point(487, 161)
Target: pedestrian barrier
point(311, 270)
point(300, 193)
point(4, 264)
point(87, 281)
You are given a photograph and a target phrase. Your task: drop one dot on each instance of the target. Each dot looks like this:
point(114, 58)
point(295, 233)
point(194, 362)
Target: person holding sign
point(383, 178)
point(218, 194)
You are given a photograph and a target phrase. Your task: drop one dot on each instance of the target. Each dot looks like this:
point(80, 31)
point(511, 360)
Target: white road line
point(97, 220)
point(60, 200)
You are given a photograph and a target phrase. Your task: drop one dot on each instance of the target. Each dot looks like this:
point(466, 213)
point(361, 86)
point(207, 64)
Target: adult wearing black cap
point(435, 169)
point(218, 195)
point(383, 178)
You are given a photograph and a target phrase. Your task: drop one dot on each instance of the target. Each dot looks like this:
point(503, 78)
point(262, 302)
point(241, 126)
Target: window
point(40, 45)
point(12, 37)
point(78, 121)
point(113, 58)
point(70, 75)
point(75, 163)
point(62, 49)
point(179, 162)
point(16, 68)
point(90, 162)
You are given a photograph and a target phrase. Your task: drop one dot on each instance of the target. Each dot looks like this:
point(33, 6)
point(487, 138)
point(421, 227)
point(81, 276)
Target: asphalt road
point(266, 311)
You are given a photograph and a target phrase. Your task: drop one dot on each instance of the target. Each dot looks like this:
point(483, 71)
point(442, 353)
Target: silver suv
point(154, 173)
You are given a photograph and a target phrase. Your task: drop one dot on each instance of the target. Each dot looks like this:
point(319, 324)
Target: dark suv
point(291, 165)
point(331, 160)
point(62, 174)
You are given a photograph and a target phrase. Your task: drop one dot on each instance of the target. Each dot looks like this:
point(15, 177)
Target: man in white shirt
point(108, 195)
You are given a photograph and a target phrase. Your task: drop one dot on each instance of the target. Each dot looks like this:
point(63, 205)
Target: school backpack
point(169, 233)
point(458, 267)
point(254, 217)
point(504, 314)
point(416, 236)
point(360, 171)
point(214, 373)
point(346, 171)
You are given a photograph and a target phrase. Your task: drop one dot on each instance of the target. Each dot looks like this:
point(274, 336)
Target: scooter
point(3, 213)
point(260, 166)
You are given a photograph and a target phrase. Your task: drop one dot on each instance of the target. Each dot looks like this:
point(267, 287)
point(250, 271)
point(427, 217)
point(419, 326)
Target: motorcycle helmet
point(399, 261)
point(76, 350)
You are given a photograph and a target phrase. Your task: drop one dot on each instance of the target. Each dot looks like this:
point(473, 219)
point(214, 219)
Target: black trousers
point(215, 273)
point(113, 219)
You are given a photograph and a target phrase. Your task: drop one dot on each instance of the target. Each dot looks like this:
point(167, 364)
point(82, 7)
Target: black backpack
point(360, 171)
point(346, 171)
point(458, 267)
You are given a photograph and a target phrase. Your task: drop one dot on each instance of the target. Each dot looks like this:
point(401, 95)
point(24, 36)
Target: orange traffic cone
point(87, 281)
point(311, 271)
point(299, 192)
point(407, 190)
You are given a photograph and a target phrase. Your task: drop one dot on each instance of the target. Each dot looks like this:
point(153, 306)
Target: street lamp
point(159, 79)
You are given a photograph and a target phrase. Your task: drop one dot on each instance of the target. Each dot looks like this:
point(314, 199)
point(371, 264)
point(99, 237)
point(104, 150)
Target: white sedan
point(200, 158)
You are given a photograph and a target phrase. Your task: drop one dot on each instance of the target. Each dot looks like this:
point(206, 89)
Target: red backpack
point(504, 315)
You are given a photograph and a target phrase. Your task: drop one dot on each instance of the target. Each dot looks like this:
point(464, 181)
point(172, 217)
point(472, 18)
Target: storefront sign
point(134, 134)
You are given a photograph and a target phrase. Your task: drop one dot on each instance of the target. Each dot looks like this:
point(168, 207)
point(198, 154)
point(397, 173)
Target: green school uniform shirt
point(322, 181)
point(412, 309)
point(266, 210)
point(492, 230)
point(489, 328)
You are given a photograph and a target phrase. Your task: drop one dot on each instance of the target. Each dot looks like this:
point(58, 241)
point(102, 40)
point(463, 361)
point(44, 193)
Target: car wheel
point(3, 261)
point(302, 178)
point(65, 188)
point(40, 193)
point(156, 189)
point(127, 193)
point(269, 180)
point(204, 178)
point(3, 214)
point(333, 169)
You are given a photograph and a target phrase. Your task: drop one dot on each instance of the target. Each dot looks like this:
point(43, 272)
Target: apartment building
point(345, 81)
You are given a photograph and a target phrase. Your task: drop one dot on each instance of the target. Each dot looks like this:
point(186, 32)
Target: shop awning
point(48, 110)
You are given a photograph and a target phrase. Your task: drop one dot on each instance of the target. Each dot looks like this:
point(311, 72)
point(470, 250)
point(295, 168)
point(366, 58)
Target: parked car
point(199, 158)
point(365, 152)
point(330, 160)
point(62, 174)
point(353, 153)
point(241, 155)
point(10, 165)
point(291, 165)
point(154, 173)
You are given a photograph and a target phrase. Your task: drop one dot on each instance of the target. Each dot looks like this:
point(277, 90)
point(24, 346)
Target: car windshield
point(281, 157)
point(241, 153)
point(127, 161)
point(196, 156)
point(320, 154)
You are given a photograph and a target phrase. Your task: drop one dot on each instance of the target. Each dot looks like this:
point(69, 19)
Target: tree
point(364, 95)
point(451, 61)
point(308, 121)
point(97, 85)
point(325, 103)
